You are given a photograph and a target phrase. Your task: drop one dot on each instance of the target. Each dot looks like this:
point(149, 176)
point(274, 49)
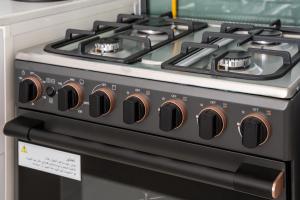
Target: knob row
point(255, 129)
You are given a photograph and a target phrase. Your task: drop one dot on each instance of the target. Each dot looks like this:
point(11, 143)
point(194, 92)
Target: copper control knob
point(172, 114)
point(212, 122)
point(255, 130)
point(136, 108)
point(70, 96)
point(30, 89)
point(102, 102)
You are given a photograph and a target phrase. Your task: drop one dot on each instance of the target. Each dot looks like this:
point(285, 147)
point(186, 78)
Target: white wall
point(2, 180)
point(2, 116)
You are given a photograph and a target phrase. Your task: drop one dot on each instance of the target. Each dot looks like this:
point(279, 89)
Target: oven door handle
point(251, 179)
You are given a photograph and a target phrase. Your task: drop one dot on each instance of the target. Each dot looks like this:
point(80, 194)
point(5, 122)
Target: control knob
point(172, 115)
point(212, 122)
point(30, 89)
point(70, 96)
point(255, 130)
point(102, 102)
point(135, 108)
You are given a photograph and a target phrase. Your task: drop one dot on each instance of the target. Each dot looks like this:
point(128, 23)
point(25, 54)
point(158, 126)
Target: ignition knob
point(172, 115)
point(135, 108)
point(30, 89)
point(102, 102)
point(212, 122)
point(255, 130)
point(70, 96)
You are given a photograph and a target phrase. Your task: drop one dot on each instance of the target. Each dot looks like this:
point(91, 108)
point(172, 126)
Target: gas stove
point(229, 57)
point(227, 87)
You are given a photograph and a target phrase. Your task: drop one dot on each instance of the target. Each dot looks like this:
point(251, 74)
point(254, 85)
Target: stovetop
point(260, 60)
point(124, 41)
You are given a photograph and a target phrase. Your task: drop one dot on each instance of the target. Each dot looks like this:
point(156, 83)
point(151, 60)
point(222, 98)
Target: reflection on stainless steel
point(176, 48)
point(253, 69)
point(176, 28)
point(203, 53)
point(291, 36)
point(181, 27)
point(157, 57)
point(268, 33)
point(148, 196)
point(151, 32)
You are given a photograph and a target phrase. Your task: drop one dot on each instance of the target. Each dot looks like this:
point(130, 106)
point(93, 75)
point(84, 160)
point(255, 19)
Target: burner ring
point(267, 33)
point(235, 60)
point(155, 22)
point(107, 45)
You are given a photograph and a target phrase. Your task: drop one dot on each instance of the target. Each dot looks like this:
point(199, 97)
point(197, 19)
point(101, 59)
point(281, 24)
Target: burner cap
point(235, 60)
point(107, 45)
point(155, 22)
point(267, 33)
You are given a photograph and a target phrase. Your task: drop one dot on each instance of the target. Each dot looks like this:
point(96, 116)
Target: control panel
point(214, 118)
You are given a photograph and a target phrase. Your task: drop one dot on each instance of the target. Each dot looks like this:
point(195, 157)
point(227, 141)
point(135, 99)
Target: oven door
point(123, 164)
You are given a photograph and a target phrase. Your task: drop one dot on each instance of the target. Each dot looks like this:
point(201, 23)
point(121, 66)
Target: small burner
point(156, 22)
point(267, 33)
point(107, 45)
point(235, 60)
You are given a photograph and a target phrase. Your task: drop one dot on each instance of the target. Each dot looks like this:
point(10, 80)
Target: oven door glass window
point(106, 180)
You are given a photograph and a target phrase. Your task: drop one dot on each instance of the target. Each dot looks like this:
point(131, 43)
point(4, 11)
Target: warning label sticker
point(50, 161)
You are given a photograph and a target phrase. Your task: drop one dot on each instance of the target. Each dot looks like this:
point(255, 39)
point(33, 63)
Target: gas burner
point(235, 60)
point(107, 45)
point(156, 22)
point(266, 33)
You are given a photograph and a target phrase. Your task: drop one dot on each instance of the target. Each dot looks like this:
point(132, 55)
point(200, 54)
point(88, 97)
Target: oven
point(106, 162)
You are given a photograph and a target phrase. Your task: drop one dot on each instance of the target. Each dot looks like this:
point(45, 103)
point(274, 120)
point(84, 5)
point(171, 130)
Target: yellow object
point(174, 8)
point(24, 149)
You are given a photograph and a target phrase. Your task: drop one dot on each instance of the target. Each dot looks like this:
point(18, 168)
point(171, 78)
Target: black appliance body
point(121, 159)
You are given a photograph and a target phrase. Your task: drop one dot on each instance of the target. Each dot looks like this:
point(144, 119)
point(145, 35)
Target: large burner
point(235, 60)
point(267, 33)
point(107, 45)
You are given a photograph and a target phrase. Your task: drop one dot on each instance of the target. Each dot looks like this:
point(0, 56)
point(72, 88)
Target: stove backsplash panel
point(254, 11)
